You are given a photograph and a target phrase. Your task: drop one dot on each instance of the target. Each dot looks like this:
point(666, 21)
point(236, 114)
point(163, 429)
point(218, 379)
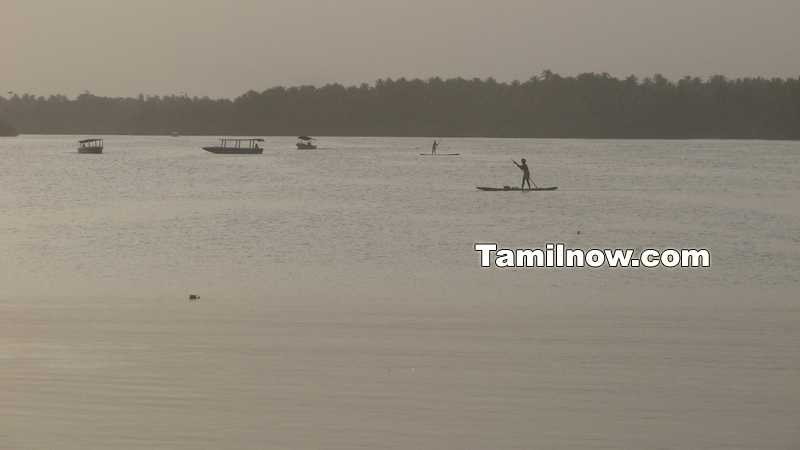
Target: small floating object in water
point(579, 231)
point(194, 297)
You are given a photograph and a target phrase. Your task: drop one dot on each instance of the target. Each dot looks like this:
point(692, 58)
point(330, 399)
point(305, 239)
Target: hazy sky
point(224, 48)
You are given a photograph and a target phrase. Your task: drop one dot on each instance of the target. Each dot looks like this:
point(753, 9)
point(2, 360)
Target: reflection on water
point(342, 303)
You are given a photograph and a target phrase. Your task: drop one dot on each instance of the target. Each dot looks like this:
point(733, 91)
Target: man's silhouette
point(526, 174)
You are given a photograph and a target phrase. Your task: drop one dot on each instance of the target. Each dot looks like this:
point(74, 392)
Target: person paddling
point(434, 148)
point(526, 174)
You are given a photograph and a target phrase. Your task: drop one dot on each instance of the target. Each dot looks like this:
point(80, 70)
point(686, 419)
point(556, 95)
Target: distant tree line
point(6, 129)
point(548, 105)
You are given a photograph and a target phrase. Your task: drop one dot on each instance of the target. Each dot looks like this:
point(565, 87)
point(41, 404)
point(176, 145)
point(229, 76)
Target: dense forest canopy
point(549, 105)
point(6, 129)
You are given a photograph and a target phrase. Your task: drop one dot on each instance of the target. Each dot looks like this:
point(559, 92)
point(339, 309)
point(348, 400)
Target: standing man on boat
point(435, 147)
point(526, 174)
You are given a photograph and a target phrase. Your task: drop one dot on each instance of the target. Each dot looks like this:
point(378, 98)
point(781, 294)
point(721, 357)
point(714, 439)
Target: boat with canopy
point(92, 146)
point(306, 143)
point(229, 146)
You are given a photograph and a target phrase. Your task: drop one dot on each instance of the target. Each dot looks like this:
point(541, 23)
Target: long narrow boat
point(516, 189)
point(237, 147)
point(90, 146)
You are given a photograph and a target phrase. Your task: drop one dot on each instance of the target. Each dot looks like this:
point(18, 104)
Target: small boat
point(90, 146)
point(175, 134)
point(237, 147)
point(513, 189)
point(439, 154)
point(306, 143)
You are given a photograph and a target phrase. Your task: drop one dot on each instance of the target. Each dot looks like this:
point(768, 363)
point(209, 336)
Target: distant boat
point(237, 147)
point(175, 134)
point(90, 146)
point(305, 143)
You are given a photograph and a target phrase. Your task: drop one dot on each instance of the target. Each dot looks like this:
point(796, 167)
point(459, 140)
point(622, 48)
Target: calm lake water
point(343, 306)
